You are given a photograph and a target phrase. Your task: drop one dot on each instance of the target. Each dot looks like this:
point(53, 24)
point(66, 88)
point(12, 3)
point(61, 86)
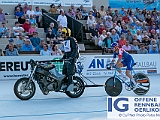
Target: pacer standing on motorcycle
point(70, 52)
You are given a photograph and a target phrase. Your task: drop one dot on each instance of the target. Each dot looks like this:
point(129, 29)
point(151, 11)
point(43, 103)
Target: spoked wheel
point(78, 88)
point(113, 88)
point(21, 91)
point(143, 84)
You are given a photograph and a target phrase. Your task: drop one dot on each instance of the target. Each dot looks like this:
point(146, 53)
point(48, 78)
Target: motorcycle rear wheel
point(24, 93)
point(78, 88)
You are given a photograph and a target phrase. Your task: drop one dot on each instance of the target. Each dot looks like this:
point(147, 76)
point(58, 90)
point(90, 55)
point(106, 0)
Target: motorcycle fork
point(30, 77)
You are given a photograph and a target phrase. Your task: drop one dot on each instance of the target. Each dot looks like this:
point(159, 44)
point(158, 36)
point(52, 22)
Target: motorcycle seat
point(57, 74)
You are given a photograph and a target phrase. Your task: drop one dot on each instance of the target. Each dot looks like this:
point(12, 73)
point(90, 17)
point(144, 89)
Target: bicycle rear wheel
point(144, 84)
point(111, 88)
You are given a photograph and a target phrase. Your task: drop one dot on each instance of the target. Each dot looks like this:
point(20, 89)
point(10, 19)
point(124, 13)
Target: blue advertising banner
point(148, 4)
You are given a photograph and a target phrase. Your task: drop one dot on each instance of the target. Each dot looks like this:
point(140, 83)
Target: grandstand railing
point(75, 25)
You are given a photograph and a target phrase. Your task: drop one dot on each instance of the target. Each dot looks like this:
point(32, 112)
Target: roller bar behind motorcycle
point(48, 80)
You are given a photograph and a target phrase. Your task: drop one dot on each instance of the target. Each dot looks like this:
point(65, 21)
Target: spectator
point(115, 16)
point(90, 22)
point(55, 51)
point(35, 40)
point(139, 35)
point(59, 35)
point(38, 15)
point(59, 9)
point(54, 31)
point(26, 26)
point(93, 8)
point(1, 52)
point(50, 45)
point(101, 29)
point(22, 20)
point(124, 30)
point(135, 46)
point(153, 50)
point(4, 31)
point(27, 46)
point(144, 33)
point(129, 36)
point(101, 38)
point(114, 36)
point(158, 18)
point(153, 43)
point(11, 51)
point(122, 12)
point(122, 41)
point(32, 20)
point(50, 36)
point(148, 20)
point(142, 49)
point(146, 41)
point(78, 15)
point(126, 18)
point(62, 19)
point(69, 13)
point(19, 42)
point(11, 41)
point(25, 8)
point(40, 46)
point(73, 10)
point(30, 12)
point(2, 16)
point(45, 51)
point(109, 23)
point(84, 14)
point(133, 30)
point(53, 9)
point(17, 29)
point(18, 13)
point(102, 11)
point(127, 46)
point(137, 25)
point(108, 41)
point(19, 5)
point(32, 30)
point(140, 16)
point(94, 34)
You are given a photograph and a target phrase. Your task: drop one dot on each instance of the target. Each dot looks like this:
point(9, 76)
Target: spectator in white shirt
point(45, 51)
point(90, 22)
point(30, 11)
point(62, 19)
point(38, 15)
point(17, 29)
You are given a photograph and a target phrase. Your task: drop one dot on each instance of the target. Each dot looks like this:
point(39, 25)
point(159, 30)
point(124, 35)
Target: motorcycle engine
point(47, 84)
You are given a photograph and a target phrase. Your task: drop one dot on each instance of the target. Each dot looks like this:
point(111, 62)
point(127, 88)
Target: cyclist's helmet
point(114, 44)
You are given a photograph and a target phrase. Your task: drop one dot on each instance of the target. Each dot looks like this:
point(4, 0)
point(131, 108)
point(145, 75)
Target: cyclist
point(124, 60)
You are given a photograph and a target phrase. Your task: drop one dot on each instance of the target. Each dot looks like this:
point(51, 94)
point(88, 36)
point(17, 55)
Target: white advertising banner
point(77, 3)
point(94, 65)
point(15, 2)
point(47, 2)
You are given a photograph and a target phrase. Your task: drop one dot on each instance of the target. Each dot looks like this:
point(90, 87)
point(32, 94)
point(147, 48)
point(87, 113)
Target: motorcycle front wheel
point(78, 88)
point(23, 92)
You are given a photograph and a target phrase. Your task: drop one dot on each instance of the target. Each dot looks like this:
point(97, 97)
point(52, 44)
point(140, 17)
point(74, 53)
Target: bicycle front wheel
point(113, 88)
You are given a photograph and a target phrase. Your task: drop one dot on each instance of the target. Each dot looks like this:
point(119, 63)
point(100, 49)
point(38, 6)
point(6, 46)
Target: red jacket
point(26, 27)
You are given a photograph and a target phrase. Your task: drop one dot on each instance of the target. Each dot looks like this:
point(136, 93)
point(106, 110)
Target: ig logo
point(115, 105)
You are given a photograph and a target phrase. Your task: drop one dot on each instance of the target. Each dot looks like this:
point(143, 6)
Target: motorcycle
point(48, 79)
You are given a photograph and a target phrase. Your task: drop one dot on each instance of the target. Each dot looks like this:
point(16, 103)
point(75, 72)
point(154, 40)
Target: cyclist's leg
point(129, 68)
point(121, 64)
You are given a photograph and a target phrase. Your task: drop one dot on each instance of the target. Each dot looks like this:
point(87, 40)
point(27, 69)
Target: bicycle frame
point(116, 76)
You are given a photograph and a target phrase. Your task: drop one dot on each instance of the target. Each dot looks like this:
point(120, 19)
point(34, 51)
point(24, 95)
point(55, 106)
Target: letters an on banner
point(94, 65)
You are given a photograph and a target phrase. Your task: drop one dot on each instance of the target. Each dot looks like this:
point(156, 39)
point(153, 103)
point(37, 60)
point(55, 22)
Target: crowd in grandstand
point(134, 30)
